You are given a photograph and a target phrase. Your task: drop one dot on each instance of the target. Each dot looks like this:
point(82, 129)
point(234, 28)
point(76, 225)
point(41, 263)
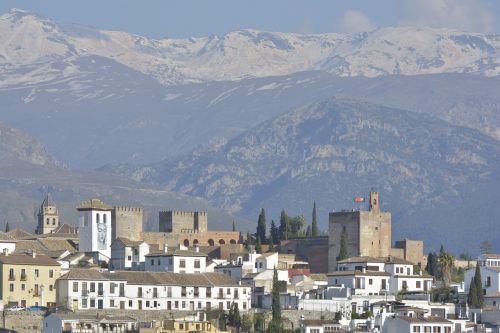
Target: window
point(84, 289)
point(130, 304)
point(228, 304)
point(97, 217)
point(182, 263)
point(23, 287)
point(416, 329)
point(408, 271)
point(197, 263)
point(228, 291)
point(244, 305)
point(51, 287)
point(136, 252)
point(176, 304)
point(418, 284)
point(92, 287)
point(209, 292)
point(111, 301)
point(155, 292)
point(152, 262)
point(488, 281)
point(170, 261)
point(196, 292)
point(183, 292)
point(370, 282)
point(37, 273)
point(23, 274)
point(139, 292)
point(183, 304)
point(75, 287)
point(104, 218)
point(112, 287)
point(129, 258)
point(11, 274)
point(147, 304)
point(11, 287)
point(84, 303)
point(199, 305)
point(51, 273)
point(92, 303)
point(53, 221)
point(405, 285)
point(158, 262)
point(169, 292)
point(181, 326)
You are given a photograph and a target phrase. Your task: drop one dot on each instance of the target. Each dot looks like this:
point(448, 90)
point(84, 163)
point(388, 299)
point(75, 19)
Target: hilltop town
point(107, 274)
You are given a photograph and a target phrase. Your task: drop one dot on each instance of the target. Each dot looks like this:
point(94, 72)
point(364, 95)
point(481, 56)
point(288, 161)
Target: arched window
point(97, 217)
point(186, 242)
point(232, 241)
point(104, 216)
point(195, 242)
point(53, 221)
point(211, 242)
point(221, 241)
point(48, 221)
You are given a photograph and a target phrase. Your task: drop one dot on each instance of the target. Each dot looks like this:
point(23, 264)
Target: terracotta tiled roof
point(6, 237)
point(65, 229)
point(27, 259)
point(19, 233)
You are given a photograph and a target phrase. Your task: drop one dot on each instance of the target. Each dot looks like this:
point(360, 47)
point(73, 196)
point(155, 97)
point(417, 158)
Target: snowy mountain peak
point(26, 38)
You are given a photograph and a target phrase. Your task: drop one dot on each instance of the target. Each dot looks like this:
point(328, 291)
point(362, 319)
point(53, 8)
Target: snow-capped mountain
point(27, 39)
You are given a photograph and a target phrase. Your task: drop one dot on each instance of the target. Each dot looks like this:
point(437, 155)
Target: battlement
point(128, 209)
point(178, 221)
point(183, 213)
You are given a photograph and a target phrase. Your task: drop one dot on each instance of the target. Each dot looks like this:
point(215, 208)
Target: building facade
point(90, 289)
point(183, 222)
point(28, 280)
point(126, 222)
point(177, 260)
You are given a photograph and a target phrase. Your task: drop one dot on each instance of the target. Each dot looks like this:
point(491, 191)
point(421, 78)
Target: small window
point(197, 263)
point(37, 273)
point(51, 273)
point(75, 287)
point(152, 262)
point(11, 287)
point(182, 263)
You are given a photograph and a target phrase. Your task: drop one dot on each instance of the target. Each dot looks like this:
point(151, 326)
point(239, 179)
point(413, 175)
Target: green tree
point(248, 243)
point(284, 225)
point(274, 233)
point(258, 245)
point(308, 231)
point(275, 326)
point(446, 261)
point(479, 287)
point(259, 323)
point(7, 227)
point(246, 323)
point(485, 247)
point(236, 316)
point(271, 245)
point(314, 224)
point(431, 267)
point(234, 226)
point(343, 253)
point(261, 225)
point(441, 249)
point(472, 296)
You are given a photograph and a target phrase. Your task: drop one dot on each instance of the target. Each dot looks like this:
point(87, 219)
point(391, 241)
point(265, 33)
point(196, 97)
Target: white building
point(490, 276)
point(90, 289)
point(399, 275)
point(95, 228)
point(361, 282)
point(127, 254)
point(176, 260)
point(7, 243)
point(404, 324)
point(84, 323)
point(249, 263)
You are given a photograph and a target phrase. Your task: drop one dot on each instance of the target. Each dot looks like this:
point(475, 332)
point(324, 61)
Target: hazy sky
point(186, 18)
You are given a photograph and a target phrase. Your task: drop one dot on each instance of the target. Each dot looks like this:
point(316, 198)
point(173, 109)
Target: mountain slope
point(27, 172)
point(332, 151)
point(27, 39)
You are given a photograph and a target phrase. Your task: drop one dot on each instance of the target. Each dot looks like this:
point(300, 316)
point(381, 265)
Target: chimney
point(6, 252)
point(33, 254)
point(363, 269)
point(165, 248)
point(197, 248)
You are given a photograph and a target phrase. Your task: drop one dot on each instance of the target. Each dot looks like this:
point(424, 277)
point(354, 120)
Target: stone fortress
point(369, 234)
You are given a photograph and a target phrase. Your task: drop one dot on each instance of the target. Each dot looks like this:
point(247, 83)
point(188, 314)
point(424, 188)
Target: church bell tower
point(48, 216)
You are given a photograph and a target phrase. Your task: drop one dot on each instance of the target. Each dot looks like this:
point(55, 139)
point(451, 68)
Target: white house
point(400, 274)
point(416, 324)
point(320, 326)
point(490, 276)
point(91, 289)
point(361, 282)
point(7, 243)
point(127, 254)
point(95, 228)
point(248, 263)
point(176, 260)
point(73, 322)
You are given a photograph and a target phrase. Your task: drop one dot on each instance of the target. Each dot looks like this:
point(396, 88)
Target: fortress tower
point(368, 233)
point(126, 222)
point(48, 216)
point(183, 222)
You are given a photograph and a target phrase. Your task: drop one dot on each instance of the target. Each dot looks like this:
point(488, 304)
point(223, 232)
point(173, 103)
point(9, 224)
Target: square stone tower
point(368, 233)
point(127, 222)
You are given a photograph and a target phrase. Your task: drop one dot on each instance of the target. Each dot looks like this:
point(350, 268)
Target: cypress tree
point(271, 245)
point(429, 267)
point(234, 227)
point(275, 326)
point(261, 225)
point(247, 243)
point(343, 253)
point(274, 233)
point(284, 225)
point(472, 296)
point(314, 228)
point(7, 227)
point(479, 286)
point(258, 245)
point(308, 231)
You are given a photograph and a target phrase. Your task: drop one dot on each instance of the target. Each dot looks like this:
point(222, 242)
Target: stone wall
point(182, 221)
point(127, 222)
point(312, 249)
point(23, 321)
